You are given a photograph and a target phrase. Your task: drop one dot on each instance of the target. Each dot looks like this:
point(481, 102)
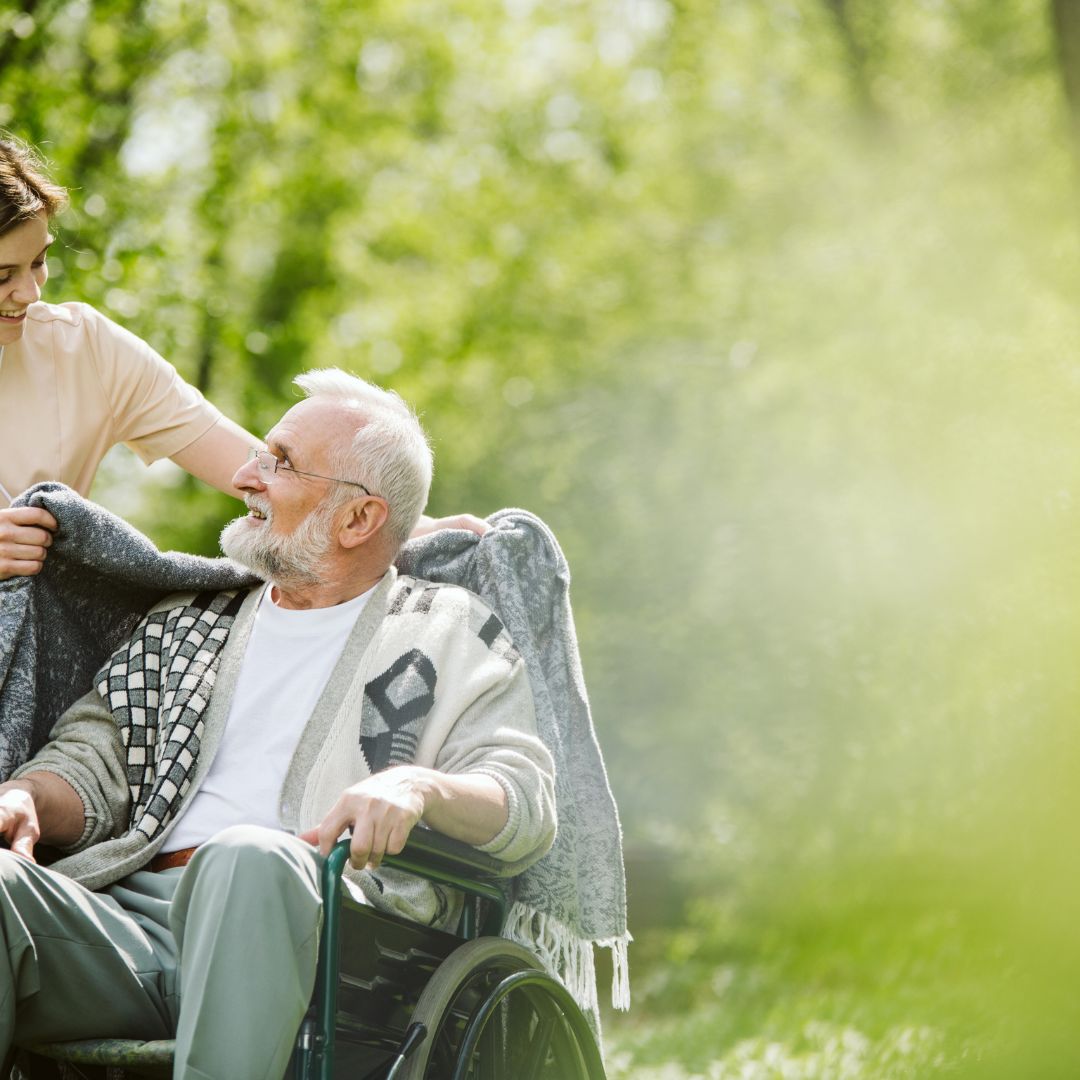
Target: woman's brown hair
point(25, 188)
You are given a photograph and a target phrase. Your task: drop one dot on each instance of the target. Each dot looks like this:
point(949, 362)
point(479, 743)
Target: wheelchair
point(397, 1001)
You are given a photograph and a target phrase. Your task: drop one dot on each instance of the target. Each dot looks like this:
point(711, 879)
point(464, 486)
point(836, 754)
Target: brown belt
point(168, 859)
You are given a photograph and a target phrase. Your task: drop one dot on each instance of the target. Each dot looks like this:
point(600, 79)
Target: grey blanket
point(102, 575)
point(575, 896)
point(57, 628)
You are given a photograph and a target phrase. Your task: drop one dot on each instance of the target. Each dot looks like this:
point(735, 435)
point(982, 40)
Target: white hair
point(390, 453)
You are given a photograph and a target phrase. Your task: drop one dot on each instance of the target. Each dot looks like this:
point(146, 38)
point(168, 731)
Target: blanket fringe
point(620, 969)
point(569, 957)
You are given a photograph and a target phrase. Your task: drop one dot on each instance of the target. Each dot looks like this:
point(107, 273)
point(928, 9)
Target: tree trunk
point(870, 112)
point(1065, 15)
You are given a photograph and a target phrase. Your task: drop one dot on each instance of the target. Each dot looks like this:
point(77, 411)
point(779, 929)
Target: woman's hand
point(456, 521)
point(25, 536)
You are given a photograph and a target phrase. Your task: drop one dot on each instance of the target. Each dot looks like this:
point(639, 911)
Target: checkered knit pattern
point(157, 687)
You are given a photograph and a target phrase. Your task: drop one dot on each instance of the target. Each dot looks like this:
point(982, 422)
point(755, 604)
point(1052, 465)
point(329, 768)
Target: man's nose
point(249, 477)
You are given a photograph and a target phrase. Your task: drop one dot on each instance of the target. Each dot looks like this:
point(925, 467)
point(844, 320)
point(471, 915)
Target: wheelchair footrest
point(119, 1053)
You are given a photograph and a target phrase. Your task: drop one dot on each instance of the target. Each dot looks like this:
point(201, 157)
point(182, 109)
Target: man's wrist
point(423, 783)
point(57, 806)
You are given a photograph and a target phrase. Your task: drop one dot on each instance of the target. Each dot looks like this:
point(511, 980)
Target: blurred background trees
point(770, 309)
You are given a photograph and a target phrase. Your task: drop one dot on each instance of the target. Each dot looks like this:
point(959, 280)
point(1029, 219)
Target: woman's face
point(22, 273)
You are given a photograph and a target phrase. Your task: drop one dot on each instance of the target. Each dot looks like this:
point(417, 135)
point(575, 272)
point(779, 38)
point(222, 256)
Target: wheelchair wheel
point(493, 1013)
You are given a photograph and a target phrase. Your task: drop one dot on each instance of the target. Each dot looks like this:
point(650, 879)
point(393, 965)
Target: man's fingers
point(395, 844)
point(325, 835)
point(380, 810)
point(24, 846)
point(360, 846)
point(21, 830)
point(330, 828)
point(380, 839)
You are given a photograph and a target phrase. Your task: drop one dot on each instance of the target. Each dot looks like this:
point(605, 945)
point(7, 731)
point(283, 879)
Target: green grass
point(842, 977)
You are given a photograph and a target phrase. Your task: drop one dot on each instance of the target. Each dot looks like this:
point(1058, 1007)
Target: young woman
point(73, 383)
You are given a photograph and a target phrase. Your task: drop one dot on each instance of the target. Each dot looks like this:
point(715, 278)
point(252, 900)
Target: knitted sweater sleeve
point(85, 750)
point(496, 736)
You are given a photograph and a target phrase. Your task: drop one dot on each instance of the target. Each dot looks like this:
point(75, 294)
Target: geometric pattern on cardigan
point(157, 686)
point(397, 702)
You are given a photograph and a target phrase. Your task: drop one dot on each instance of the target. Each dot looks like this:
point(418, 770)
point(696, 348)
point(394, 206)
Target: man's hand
point(456, 521)
point(19, 819)
point(381, 810)
point(25, 535)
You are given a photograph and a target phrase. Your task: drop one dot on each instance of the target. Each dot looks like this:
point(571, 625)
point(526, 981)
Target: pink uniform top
point(76, 384)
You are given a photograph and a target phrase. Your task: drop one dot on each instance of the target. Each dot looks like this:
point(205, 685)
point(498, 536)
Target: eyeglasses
point(269, 466)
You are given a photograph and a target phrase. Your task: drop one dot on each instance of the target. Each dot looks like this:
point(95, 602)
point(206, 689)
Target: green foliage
point(769, 308)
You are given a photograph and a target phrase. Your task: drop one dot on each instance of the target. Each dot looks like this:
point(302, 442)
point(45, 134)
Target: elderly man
point(194, 791)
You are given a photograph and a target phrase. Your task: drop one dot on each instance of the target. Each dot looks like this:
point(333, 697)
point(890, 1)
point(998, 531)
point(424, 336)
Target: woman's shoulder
point(76, 330)
point(72, 327)
point(72, 313)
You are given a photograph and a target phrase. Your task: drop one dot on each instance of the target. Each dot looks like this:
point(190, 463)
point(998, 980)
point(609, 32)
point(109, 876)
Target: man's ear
point(363, 520)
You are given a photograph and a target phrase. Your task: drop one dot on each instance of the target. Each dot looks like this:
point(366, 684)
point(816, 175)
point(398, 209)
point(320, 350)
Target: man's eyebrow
point(40, 255)
point(281, 449)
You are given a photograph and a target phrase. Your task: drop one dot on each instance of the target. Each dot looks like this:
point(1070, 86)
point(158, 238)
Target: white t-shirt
point(285, 668)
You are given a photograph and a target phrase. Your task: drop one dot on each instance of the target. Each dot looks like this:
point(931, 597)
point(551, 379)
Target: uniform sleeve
point(154, 411)
point(85, 750)
point(496, 736)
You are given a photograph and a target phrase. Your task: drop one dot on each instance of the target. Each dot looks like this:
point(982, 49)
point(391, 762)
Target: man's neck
point(300, 596)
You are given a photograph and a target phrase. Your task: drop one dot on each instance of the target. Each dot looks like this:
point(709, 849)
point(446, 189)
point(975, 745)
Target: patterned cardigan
point(428, 675)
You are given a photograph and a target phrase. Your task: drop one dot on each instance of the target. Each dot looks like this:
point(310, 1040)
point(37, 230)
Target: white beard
point(291, 560)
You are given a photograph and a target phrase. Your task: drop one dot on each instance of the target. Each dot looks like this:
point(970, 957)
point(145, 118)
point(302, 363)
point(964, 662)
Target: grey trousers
point(220, 955)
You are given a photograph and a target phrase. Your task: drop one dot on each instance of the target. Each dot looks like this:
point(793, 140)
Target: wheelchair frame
point(485, 998)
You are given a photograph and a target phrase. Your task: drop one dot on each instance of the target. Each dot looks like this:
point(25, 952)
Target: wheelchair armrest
point(439, 859)
point(430, 848)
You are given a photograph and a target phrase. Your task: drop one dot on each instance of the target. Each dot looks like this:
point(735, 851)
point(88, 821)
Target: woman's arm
point(215, 455)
